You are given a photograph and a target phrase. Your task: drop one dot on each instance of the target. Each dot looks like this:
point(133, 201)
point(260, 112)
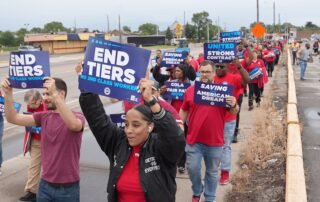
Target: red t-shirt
point(200, 60)
point(206, 123)
point(60, 148)
point(258, 63)
point(266, 53)
point(128, 184)
point(230, 79)
point(194, 64)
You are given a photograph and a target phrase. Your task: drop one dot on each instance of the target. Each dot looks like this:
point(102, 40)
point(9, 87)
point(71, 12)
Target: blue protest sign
point(220, 52)
point(118, 119)
point(113, 69)
point(16, 105)
point(255, 73)
point(234, 36)
point(28, 68)
point(34, 129)
point(175, 90)
point(172, 59)
point(211, 94)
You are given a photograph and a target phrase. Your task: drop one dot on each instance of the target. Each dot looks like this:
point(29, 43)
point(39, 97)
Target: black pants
point(270, 67)
point(183, 158)
point(294, 57)
point(254, 90)
point(240, 99)
point(277, 60)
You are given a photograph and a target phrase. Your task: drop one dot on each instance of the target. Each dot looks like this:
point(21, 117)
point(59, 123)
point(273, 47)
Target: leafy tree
point(20, 35)
point(126, 29)
point(190, 31)
point(148, 29)
point(54, 27)
point(201, 22)
point(310, 25)
point(7, 39)
point(169, 34)
point(36, 30)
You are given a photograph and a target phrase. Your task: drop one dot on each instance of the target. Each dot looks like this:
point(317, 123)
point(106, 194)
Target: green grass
point(8, 49)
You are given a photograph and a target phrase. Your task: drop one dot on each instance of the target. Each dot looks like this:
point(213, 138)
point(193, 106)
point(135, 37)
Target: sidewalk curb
point(295, 178)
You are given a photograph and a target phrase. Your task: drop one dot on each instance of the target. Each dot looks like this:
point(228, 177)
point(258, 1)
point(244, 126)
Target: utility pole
point(208, 32)
point(274, 17)
point(108, 24)
point(279, 24)
point(184, 24)
point(120, 34)
point(257, 11)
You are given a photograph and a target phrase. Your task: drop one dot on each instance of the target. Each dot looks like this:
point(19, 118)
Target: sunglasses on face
point(220, 66)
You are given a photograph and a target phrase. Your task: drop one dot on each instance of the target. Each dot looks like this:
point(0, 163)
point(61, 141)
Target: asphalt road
point(308, 95)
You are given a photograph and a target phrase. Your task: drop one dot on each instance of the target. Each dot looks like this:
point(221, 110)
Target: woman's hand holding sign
point(145, 87)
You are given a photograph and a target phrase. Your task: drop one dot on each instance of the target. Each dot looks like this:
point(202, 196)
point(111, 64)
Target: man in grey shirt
point(303, 57)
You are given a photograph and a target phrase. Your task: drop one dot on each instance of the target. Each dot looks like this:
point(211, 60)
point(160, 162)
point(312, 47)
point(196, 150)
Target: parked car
point(28, 48)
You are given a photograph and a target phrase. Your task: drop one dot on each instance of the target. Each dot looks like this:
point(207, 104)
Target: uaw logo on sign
point(16, 105)
point(255, 73)
point(118, 119)
point(175, 90)
point(28, 68)
point(234, 36)
point(113, 69)
point(172, 59)
point(212, 94)
point(220, 52)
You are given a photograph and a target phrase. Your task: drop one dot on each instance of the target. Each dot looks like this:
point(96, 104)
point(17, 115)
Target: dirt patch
point(261, 176)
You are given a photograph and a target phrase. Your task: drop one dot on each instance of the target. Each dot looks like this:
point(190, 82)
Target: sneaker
point(250, 108)
point(224, 178)
point(258, 104)
point(29, 197)
point(235, 139)
point(0, 171)
point(196, 198)
point(181, 170)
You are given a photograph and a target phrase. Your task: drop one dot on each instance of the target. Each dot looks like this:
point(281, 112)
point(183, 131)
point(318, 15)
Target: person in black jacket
point(143, 163)
point(190, 72)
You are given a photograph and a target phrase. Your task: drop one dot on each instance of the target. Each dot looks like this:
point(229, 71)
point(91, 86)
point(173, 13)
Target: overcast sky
point(92, 14)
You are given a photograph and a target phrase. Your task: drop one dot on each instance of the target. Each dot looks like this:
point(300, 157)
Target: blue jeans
point(303, 67)
point(1, 135)
point(211, 156)
point(49, 193)
point(229, 128)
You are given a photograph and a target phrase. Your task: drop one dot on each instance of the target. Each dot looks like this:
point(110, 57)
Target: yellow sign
point(179, 29)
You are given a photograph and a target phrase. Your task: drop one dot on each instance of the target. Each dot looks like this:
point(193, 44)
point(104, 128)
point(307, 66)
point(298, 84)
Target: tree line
point(199, 29)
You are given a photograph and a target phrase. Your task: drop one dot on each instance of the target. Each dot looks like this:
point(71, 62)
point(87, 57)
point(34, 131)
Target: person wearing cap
point(144, 155)
point(237, 80)
point(205, 138)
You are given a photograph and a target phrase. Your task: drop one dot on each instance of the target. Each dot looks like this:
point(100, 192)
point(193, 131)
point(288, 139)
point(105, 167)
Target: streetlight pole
point(257, 11)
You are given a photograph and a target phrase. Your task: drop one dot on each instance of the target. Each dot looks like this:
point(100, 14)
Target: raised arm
point(11, 115)
point(58, 98)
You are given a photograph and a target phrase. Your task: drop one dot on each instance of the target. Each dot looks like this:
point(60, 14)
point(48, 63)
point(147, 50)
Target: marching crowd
point(160, 136)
